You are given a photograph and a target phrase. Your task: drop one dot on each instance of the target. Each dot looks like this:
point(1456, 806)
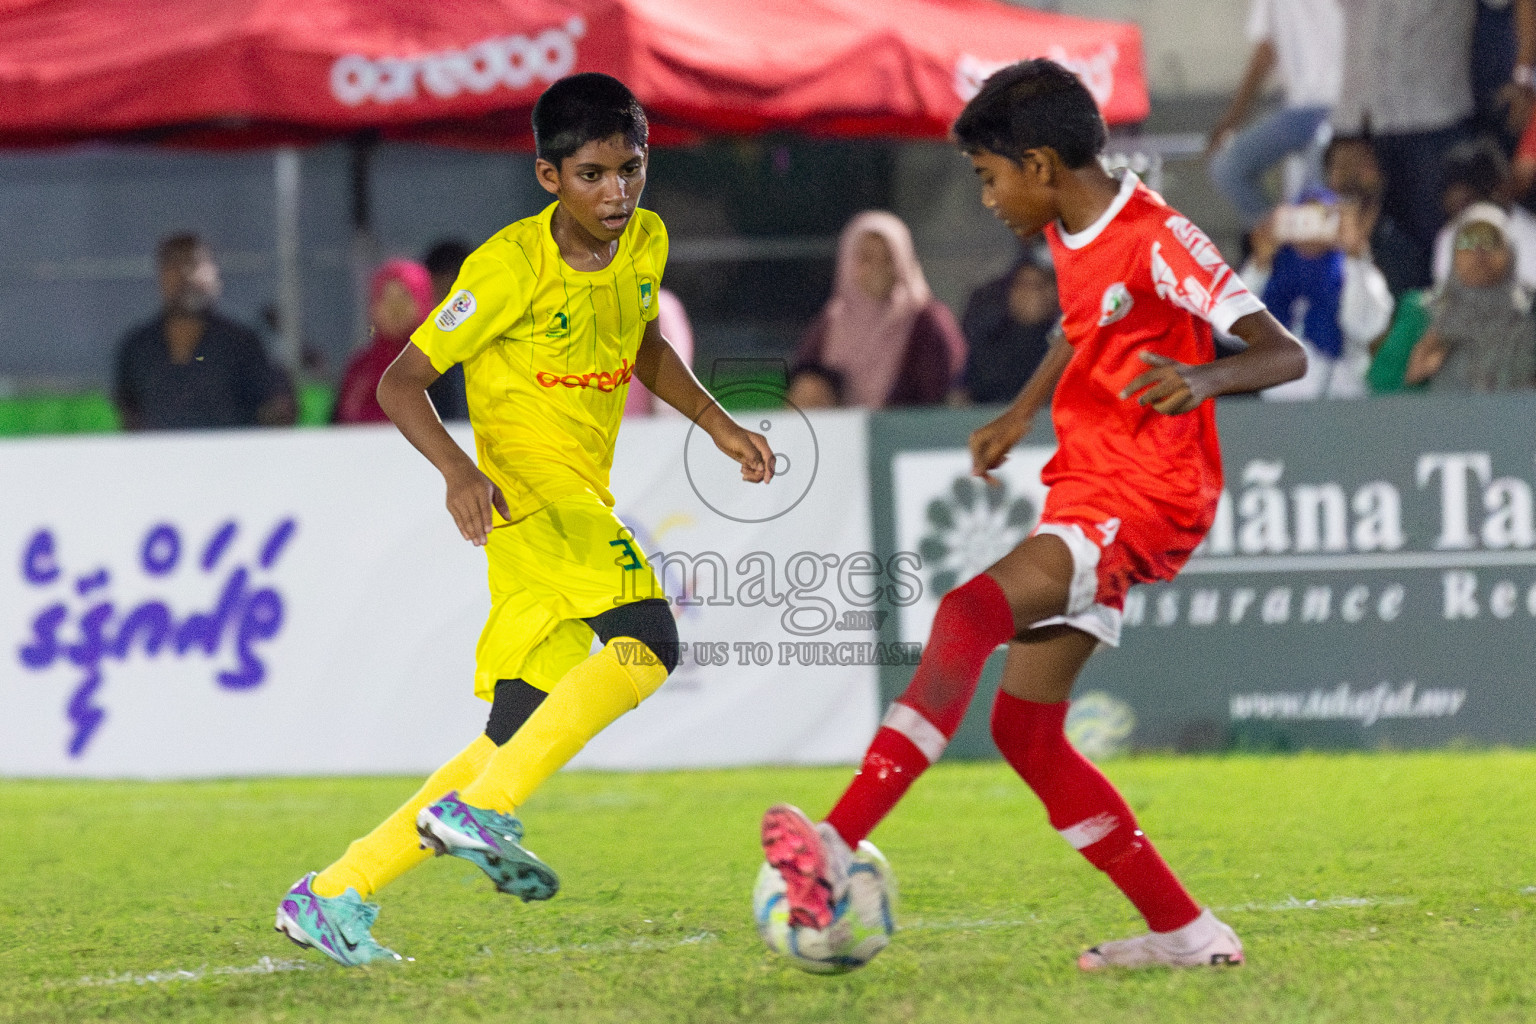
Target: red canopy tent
point(261, 73)
point(243, 73)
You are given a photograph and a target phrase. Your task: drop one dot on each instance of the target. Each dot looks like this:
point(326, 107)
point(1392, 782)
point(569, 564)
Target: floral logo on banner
point(81, 626)
point(969, 529)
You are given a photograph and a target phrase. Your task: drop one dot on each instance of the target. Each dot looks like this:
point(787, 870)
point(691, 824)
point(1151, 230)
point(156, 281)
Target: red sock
point(971, 621)
point(1085, 808)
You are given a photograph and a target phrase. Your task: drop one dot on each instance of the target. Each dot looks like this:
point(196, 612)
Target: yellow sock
point(393, 848)
point(585, 701)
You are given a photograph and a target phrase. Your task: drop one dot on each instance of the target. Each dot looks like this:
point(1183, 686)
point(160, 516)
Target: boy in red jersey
point(1133, 489)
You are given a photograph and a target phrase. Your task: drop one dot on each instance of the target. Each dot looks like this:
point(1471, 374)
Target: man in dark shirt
point(443, 261)
point(189, 367)
point(1007, 326)
point(1351, 169)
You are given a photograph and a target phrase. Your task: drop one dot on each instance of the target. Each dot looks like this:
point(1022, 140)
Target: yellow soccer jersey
point(548, 353)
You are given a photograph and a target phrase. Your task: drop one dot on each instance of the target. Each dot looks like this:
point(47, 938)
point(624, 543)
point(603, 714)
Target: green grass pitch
point(154, 902)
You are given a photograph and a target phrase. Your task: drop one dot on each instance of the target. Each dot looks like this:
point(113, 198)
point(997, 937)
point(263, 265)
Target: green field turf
point(1422, 866)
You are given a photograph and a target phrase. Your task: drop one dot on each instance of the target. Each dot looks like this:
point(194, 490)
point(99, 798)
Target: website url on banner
point(1344, 703)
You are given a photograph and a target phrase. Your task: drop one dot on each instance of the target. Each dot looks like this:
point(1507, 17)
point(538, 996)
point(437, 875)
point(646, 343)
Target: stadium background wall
point(1370, 582)
point(196, 605)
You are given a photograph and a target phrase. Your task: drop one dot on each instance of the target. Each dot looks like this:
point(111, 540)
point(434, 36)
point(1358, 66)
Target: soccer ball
point(861, 927)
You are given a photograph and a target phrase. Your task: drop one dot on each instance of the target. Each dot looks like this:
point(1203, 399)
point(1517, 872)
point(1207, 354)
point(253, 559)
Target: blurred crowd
point(881, 341)
point(1382, 200)
point(1382, 196)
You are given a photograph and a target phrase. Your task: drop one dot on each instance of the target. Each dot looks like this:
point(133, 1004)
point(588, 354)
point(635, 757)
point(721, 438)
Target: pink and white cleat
point(1204, 942)
point(813, 860)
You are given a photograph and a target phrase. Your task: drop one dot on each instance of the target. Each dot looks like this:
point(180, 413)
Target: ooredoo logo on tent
point(511, 62)
point(1096, 69)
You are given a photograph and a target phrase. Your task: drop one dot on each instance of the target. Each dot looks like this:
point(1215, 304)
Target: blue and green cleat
point(490, 841)
point(335, 925)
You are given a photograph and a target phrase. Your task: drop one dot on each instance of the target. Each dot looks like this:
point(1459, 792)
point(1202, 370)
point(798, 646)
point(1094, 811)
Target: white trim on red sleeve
point(1229, 311)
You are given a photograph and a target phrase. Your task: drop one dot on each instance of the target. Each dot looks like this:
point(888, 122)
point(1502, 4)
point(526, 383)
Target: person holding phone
point(1312, 264)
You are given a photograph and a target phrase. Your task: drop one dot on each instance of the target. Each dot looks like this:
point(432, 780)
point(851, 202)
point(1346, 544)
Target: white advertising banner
point(772, 586)
point(299, 602)
point(957, 523)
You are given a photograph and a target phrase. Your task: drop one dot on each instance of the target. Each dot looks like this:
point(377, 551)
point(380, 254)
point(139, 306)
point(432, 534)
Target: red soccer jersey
point(1142, 278)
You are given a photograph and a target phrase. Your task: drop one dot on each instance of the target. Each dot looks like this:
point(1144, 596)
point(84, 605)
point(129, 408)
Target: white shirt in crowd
point(1405, 65)
point(1365, 313)
point(1522, 232)
point(1308, 36)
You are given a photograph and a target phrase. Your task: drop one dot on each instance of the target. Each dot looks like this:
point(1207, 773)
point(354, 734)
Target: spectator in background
point(443, 261)
point(893, 343)
point(190, 367)
point(813, 386)
point(400, 298)
point(1350, 168)
point(1312, 265)
point(1477, 172)
point(1407, 86)
point(1501, 71)
point(672, 320)
point(1389, 363)
point(1007, 327)
point(1303, 40)
point(1481, 336)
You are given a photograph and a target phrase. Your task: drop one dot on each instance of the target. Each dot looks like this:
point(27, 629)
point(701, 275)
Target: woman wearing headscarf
point(1481, 334)
point(882, 332)
point(398, 301)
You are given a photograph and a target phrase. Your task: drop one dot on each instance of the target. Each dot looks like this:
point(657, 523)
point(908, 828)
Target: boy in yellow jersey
point(551, 319)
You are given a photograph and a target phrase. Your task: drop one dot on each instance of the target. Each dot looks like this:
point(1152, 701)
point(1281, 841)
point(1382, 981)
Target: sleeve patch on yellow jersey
point(456, 310)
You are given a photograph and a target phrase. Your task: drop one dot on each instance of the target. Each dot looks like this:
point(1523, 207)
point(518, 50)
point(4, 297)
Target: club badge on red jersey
point(1115, 304)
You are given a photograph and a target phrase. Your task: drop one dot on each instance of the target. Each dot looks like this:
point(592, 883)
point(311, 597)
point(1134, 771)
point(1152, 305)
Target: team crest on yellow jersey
point(559, 326)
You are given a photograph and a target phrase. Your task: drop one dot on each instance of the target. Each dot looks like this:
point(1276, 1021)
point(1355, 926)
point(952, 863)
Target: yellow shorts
point(569, 561)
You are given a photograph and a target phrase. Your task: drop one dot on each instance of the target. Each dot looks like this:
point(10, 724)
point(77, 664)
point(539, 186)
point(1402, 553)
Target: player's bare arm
point(990, 444)
point(402, 395)
point(662, 371)
point(1272, 357)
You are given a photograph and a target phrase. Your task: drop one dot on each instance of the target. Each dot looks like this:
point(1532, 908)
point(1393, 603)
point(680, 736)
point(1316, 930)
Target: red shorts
point(1116, 540)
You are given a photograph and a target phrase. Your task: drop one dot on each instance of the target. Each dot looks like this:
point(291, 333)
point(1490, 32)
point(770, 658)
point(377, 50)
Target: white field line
point(266, 965)
point(982, 924)
point(619, 945)
point(1336, 902)
point(1290, 903)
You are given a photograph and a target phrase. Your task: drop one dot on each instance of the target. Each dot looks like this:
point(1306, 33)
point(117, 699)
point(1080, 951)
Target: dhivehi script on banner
point(287, 602)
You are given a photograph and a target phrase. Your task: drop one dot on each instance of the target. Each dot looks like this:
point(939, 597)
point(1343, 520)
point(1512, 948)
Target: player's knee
point(976, 606)
point(512, 705)
point(650, 622)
